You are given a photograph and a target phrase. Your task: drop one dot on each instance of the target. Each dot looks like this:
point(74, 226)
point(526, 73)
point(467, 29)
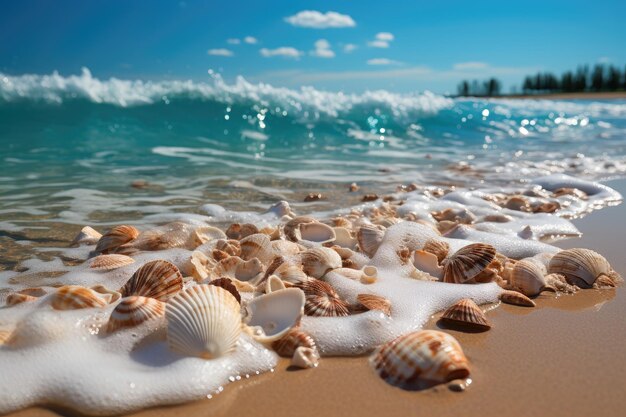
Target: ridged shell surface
point(157, 279)
point(322, 300)
point(370, 237)
point(579, 266)
point(316, 262)
point(528, 278)
point(73, 297)
point(134, 310)
point(516, 298)
point(257, 246)
point(295, 338)
point(375, 302)
point(112, 261)
point(228, 285)
point(467, 314)
point(115, 238)
point(439, 248)
point(468, 262)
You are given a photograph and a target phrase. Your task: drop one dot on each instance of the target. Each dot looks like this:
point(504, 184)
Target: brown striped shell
point(73, 297)
point(439, 248)
point(292, 227)
point(116, 237)
point(467, 263)
point(516, 298)
point(257, 246)
point(108, 262)
point(295, 338)
point(374, 302)
point(370, 237)
point(426, 356)
point(317, 261)
point(230, 246)
point(134, 310)
point(157, 279)
point(228, 285)
point(580, 267)
point(528, 277)
point(321, 299)
point(18, 298)
point(466, 314)
point(238, 231)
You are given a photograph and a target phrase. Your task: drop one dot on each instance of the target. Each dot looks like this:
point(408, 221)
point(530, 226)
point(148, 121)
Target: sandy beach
point(563, 358)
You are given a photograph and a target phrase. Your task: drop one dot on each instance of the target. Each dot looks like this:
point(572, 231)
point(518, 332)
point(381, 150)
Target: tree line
point(598, 79)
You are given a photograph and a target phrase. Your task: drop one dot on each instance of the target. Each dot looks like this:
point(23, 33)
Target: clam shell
point(305, 357)
point(467, 263)
point(579, 266)
point(17, 298)
point(257, 246)
point(516, 298)
point(427, 262)
point(292, 226)
point(115, 238)
point(239, 231)
point(439, 248)
point(370, 237)
point(228, 285)
point(86, 236)
point(285, 248)
point(295, 338)
point(236, 268)
point(134, 310)
point(290, 273)
point(157, 279)
point(73, 297)
point(528, 278)
point(315, 232)
point(203, 321)
point(203, 234)
point(375, 302)
point(322, 300)
point(467, 314)
point(108, 262)
point(424, 356)
point(273, 283)
point(273, 315)
point(316, 262)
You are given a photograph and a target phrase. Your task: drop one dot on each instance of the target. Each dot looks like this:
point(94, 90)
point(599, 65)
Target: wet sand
point(564, 358)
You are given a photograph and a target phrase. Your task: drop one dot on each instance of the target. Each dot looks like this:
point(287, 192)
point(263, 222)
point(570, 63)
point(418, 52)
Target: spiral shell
point(108, 262)
point(439, 248)
point(374, 302)
point(516, 298)
point(322, 300)
point(73, 297)
point(272, 315)
point(370, 237)
point(466, 314)
point(427, 356)
point(316, 262)
point(134, 310)
point(580, 267)
point(157, 279)
point(467, 263)
point(203, 321)
point(295, 338)
point(528, 277)
point(116, 237)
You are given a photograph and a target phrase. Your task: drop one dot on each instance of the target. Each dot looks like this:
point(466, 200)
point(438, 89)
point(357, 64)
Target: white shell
point(315, 232)
point(345, 238)
point(258, 246)
point(370, 237)
point(316, 262)
point(274, 283)
point(272, 315)
point(86, 236)
point(305, 357)
point(427, 262)
point(579, 266)
point(203, 321)
point(528, 277)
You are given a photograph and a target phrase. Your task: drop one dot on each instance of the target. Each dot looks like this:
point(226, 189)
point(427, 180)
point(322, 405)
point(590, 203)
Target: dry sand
point(565, 358)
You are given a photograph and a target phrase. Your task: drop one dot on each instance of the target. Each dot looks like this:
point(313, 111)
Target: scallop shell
point(316, 262)
point(516, 298)
point(276, 263)
point(322, 300)
point(528, 278)
point(427, 262)
point(285, 248)
point(108, 262)
point(467, 314)
point(228, 285)
point(134, 310)
point(375, 302)
point(290, 273)
point(292, 227)
point(115, 238)
point(203, 321)
point(439, 248)
point(295, 338)
point(203, 234)
point(468, 262)
point(86, 236)
point(370, 237)
point(239, 231)
point(157, 279)
point(315, 232)
point(580, 266)
point(230, 246)
point(257, 246)
point(219, 255)
point(425, 356)
point(17, 298)
point(272, 315)
point(305, 358)
point(73, 297)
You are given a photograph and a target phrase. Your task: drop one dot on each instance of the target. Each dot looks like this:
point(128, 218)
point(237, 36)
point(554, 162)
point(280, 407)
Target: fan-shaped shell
point(230, 246)
point(427, 355)
point(285, 248)
point(466, 313)
point(115, 238)
point(370, 237)
point(322, 300)
point(295, 338)
point(315, 232)
point(273, 315)
point(239, 231)
point(316, 262)
point(157, 279)
point(579, 266)
point(516, 298)
point(86, 236)
point(203, 321)
point(73, 297)
point(528, 277)
point(228, 285)
point(292, 226)
point(134, 310)
point(108, 262)
point(439, 248)
point(257, 246)
point(375, 302)
point(468, 262)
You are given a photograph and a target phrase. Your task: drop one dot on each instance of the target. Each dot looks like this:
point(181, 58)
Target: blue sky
point(397, 45)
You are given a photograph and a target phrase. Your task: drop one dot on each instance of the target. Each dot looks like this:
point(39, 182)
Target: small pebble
point(369, 197)
point(313, 197)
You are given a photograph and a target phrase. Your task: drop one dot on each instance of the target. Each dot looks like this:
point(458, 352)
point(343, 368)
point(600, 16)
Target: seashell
point(73, 297)
point(115, 238)
point(517, 203)
point(386, 222)
point(370, 238)
point(315, 232)
point(581, 267)
point(5, 336)
point(108, 262)
point(349, 263)
point(295, 338)
point(350, 273)
point(176, 235)
point(203, 235)
point(305, 358)
point(516, 298)
point(460, 215)
point(239, 231)
point(17, 298)
point(375, 302)
point(547, 207)
point(345, 238)
point(110, 296)
point(445, 226)
point(369, 274)
point(228, 285)
point(322, 300)
point(199, 266)
point(203, 321)
point(272, 232)
point(427, 262)
point(257, 246)
point(467, 263)
point(236, 268)
point(35, 292)
point(280, 209)
point(466, 313)
point(157, 279)
point(527, 277)
point(272, 315)
point(230, 246)
point(292, 226)
point(344, 253)
point(273, 283)
point(134, 310)
point(219, 255)
point(558, 283)
point(278, 261)
point(290, 273)
point(86, 236)
point(353, 188)
point(404, 254)
point(439, 248)
point(575, 192)
point(426, 356)
point(316, 262)
point(285, 248)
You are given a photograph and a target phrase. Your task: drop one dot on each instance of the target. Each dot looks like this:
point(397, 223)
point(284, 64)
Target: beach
point(564, 357)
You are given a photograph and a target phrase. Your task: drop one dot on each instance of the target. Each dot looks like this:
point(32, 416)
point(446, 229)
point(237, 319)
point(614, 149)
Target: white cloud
point(384, 36)
point(220, 52)
point(286, 51)
point(251, 40)
point(470, 66)
point(318, 20)
point(233, 41)
point(378, 44)
point(322, 49)
point(382, 61)
point(381, 40)
point(349, 47)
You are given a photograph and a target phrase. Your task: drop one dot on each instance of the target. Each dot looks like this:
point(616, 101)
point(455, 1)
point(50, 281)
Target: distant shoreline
point(606, 95)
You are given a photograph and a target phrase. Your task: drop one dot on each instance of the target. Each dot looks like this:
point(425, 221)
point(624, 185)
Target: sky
point(336, 45)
